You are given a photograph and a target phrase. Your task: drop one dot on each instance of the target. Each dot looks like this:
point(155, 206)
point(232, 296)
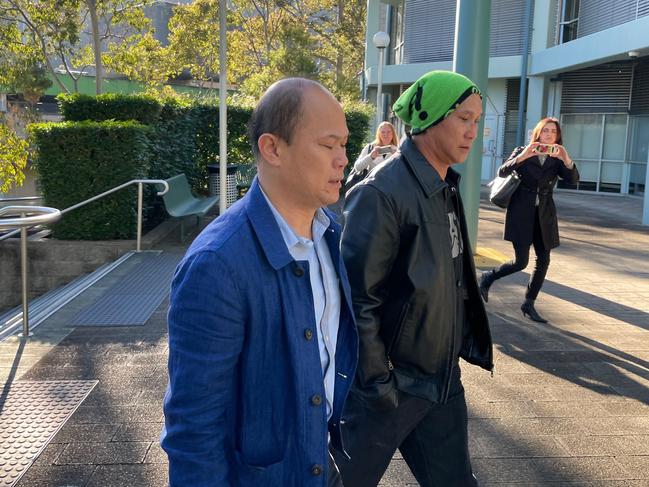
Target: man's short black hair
point(278, 111)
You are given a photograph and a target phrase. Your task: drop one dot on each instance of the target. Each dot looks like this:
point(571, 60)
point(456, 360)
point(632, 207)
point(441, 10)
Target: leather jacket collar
point(427, 177)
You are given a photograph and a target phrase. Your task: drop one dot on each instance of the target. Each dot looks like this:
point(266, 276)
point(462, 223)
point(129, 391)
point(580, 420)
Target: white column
point(537, 106)
point(536, 102)
point(372, 26)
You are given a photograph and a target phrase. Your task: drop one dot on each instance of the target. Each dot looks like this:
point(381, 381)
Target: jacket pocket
point(248, 475)
point(396, 335)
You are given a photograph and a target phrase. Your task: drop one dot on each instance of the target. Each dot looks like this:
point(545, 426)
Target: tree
point(70, 36)
point(337, 30)
point(30, 32)
point(194, 40)
point(270, 39)
point(292, 57)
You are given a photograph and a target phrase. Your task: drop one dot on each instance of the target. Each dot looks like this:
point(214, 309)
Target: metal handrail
point(41, 215)
point(139, 182)
point(6, 199)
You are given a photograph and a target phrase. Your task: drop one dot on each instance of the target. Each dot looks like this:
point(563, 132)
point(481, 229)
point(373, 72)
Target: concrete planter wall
point(52, 263)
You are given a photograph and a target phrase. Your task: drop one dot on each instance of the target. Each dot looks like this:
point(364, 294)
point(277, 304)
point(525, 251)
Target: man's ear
point(269, 148)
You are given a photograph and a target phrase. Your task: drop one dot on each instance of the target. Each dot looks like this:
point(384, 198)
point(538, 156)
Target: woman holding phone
point(531, 217)
point(382, 147)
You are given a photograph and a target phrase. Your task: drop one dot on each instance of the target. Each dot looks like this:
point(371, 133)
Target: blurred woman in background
point(531, 217)
point(383, 146)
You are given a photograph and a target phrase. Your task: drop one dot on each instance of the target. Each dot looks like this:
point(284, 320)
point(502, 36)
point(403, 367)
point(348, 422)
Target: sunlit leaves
point(14, 152)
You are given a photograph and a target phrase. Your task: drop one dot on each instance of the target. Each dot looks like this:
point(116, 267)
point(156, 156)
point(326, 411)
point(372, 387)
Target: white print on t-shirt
point(456, 241)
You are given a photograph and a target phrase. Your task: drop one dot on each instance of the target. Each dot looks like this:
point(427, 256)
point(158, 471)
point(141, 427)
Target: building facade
point(588, 65)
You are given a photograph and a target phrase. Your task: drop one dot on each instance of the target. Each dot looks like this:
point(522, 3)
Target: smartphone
point(386, 149)
point(546, 149)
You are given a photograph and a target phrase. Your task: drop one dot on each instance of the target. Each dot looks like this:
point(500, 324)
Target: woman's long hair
point(536, 133)
point(377, 136)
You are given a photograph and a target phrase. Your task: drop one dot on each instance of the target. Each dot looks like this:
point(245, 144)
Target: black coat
point(535, 178)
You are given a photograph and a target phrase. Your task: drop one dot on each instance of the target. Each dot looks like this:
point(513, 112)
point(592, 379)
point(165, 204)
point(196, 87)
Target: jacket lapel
point(265, 227)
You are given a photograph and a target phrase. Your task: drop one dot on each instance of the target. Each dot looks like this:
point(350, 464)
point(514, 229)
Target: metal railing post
point(24, 279)
point(44, 215)
point(40, 215)
point(139, 216)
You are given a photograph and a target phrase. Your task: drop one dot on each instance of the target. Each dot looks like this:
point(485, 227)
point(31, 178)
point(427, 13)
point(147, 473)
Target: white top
point(365, 160)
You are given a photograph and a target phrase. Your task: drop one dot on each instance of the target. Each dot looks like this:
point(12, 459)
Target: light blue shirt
point(324, 286)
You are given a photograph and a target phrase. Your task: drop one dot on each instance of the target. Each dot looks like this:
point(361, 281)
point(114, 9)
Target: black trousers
point(522, 256)
point(432, 438)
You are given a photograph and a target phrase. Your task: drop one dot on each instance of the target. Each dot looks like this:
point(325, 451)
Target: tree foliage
point(14, 152)
point(272, 39)
point(266, 40)
point(194, 40)
point(72, 37)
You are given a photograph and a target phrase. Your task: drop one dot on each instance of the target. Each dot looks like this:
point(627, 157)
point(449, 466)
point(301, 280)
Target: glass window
point(569, 21)
point(638, 153)
point(637, 178)
point(582, 135)
point(614, 137)
point(396, 33)
point(611, 177)
point(587, 170)
point(639, 139)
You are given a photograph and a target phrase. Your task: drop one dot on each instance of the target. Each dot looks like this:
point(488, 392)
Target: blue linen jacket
point(245, 405)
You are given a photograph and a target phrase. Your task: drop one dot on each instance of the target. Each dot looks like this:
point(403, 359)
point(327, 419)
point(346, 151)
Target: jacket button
point(316, 400)
point(308, 334)
point(298, 271)
point(316, 469)
point(459, 283)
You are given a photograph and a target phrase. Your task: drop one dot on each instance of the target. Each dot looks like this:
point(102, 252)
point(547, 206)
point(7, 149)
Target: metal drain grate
point(31, 412)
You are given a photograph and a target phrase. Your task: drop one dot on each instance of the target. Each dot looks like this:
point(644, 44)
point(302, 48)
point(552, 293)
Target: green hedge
point(181, 137)
point(186, 135)
point(78, 160)
point(109, 106)
point(358, 123)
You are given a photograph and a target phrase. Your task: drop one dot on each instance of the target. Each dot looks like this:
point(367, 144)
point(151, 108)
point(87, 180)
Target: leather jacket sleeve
point(370, 242)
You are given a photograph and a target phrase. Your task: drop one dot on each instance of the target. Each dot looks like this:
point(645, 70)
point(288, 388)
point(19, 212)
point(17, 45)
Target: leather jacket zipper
point(397, 334)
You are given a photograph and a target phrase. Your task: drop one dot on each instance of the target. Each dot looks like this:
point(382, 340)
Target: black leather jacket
point(397, 249)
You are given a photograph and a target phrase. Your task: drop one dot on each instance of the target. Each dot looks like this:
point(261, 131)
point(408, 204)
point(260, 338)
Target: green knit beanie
point(432, 98)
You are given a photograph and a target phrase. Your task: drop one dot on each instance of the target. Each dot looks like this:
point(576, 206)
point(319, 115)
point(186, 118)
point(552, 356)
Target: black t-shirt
point(457, 251)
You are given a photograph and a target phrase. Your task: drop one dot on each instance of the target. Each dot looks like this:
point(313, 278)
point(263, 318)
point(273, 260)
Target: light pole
point(223, 107)
point(381, 40)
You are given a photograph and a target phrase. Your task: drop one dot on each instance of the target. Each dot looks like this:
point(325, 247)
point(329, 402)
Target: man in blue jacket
point(262, 341)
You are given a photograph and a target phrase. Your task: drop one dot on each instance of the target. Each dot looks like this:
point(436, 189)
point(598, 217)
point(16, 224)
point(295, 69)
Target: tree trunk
point(339, 53)
point(96, 45)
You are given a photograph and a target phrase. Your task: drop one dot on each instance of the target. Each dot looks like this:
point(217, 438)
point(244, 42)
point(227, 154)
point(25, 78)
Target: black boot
point(486, 280)
point(528, 310)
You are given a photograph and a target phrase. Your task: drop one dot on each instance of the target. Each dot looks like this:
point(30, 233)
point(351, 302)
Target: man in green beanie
point(415, 295)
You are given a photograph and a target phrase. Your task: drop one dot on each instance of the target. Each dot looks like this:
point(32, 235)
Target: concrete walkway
point(568, 404)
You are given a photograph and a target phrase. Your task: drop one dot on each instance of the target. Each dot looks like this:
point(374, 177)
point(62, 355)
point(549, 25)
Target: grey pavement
point(568, 404)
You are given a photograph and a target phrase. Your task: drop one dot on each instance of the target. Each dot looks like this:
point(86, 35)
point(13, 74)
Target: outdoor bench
point(180, 202)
